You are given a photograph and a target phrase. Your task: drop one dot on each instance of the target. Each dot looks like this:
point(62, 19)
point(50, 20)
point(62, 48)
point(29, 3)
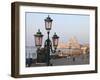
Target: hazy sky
point(65, 25)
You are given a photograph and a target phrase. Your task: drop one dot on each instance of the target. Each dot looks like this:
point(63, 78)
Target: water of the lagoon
point(30, 52)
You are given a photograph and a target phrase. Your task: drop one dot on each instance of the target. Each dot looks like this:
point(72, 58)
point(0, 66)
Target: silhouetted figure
point(73, 59)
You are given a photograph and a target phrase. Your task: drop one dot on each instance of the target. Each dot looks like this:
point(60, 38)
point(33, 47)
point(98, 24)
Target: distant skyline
point(65, 25)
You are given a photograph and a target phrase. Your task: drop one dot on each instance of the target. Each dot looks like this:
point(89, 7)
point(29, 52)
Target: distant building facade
point(72, 47)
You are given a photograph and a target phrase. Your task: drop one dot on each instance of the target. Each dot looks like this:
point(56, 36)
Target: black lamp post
point(48, 25)
point(48, 43)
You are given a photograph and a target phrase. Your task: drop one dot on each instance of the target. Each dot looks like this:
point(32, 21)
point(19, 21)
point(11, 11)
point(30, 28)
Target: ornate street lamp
point(38, 39)
point(38, 43)
point(48, 23)
point(48, 43)
point(55, 40)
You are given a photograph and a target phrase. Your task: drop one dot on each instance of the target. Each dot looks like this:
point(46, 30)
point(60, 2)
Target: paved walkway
point(78, 60)
point(82, 59)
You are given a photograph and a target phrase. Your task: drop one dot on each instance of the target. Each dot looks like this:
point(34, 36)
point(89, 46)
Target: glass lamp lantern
point(55, 40)
point(48, 23)
point(38, 39)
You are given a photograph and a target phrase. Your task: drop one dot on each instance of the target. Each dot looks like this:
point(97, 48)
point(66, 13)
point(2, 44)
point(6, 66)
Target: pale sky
point(65, 25)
